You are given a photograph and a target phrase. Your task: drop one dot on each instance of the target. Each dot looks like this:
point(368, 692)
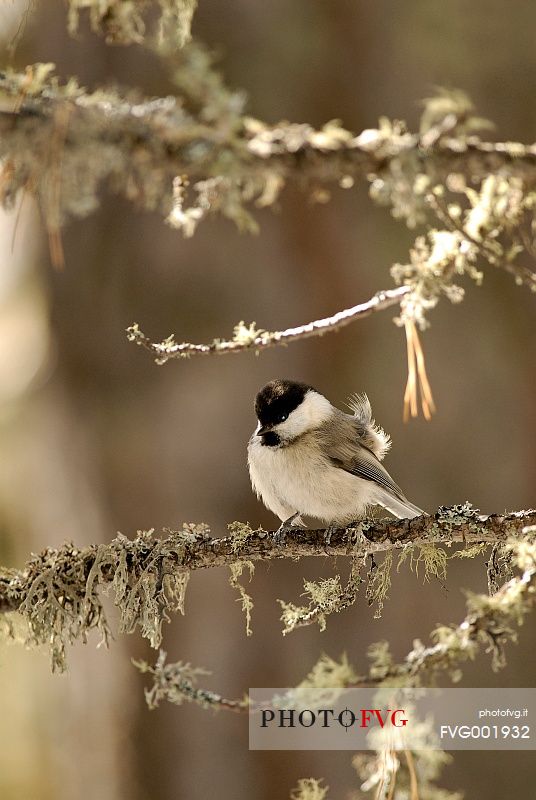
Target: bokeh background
point(94, 438)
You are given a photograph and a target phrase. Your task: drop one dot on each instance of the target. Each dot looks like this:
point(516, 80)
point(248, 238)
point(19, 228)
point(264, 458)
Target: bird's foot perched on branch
point(281, 533)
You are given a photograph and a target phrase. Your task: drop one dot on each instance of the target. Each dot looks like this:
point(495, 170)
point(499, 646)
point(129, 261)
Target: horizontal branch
point(249, 338)
point(201, 136)
point(58, 593)
point(183, 551)
point(163, 126)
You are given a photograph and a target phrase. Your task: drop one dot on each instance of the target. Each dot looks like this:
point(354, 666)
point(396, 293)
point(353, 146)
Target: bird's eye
point(282, 417)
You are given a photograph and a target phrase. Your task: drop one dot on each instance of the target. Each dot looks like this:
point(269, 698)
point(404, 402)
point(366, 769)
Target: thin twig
point(52, 208)
point(169, 349)
point(176, 683)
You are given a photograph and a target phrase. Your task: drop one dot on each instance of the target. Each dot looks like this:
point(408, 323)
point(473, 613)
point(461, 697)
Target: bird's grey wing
point(347, 452)
point(364, 464)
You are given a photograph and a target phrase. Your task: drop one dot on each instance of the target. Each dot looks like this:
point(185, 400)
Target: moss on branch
point(196, 153)
point(490, 624)
point(58, 591)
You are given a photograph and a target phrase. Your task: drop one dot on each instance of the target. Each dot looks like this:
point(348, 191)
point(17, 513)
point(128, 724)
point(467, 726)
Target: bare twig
point(249, 338)
point(414, 783)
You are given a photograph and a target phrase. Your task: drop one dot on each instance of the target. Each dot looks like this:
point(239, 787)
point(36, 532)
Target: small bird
point(308, 457)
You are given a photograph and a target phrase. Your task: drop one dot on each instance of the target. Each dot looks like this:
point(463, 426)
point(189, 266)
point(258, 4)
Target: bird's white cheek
point(294, 426)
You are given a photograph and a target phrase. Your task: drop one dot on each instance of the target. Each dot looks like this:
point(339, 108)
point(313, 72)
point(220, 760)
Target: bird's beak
point(263, 429)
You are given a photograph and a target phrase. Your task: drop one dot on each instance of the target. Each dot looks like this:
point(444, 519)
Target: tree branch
point(176, 683)
point(250, 338)
point(141, 145)
point(184, 551)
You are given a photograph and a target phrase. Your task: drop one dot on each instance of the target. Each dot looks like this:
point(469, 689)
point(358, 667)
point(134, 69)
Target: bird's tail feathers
point(400, 507)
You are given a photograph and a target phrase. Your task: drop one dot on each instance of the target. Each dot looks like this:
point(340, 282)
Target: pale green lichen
point(381, 660)
point(57, 605)
point(309, 789)
point(176, 682)
point(329, 673)
point(489, 624)
point(59, 595)
point(379, 583)
point(236, 571)
point(325, 597)
point(434, 259)
point(448, 110)
point(471, 550)
point(245, 335)
point(197, 154)
point(240, 533)
point(125, 21)
point(499, 566)
point(429, 557)
point(144, 593)
point(491, 222)
point(407, 180)
point(449, 519)
point(172, 682)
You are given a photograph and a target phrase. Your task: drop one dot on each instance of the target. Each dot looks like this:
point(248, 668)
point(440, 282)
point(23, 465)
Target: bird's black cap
point(277, 399)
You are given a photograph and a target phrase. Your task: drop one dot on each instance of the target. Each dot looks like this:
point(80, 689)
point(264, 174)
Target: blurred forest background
point(94, 438)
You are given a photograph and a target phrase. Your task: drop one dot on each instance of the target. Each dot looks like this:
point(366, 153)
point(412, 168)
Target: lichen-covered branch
point(249, 337)
point(202, 137)
point(58, 591)
point(326, 597)
point(490, 624)
point(175, 682)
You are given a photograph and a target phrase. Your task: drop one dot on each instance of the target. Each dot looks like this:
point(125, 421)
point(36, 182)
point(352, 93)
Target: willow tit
point(307, 457)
